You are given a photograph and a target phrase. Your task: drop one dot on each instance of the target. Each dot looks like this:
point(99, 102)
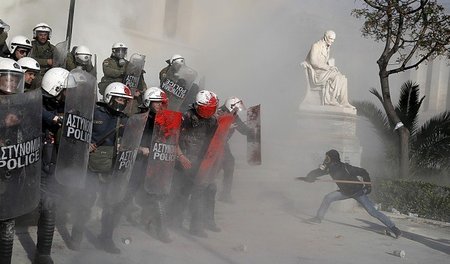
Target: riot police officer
point(198, 126)
point(4, 28)
point(108, 120)
point(80, 56)
point(42, 50)
point(19, 123)
point(31, 68)
point(115, 68)
point(19, 47)
point(54, 83)
point(153, 204)
point(232, 105)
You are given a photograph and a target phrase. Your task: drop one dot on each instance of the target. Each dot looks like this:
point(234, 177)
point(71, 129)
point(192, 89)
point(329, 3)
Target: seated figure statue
point(325, 74)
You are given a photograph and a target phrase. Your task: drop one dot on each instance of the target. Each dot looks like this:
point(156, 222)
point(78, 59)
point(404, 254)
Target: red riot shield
point(161, 161)
point(254, 139)
point(207, 169)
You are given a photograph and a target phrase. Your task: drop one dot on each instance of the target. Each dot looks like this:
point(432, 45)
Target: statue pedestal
point(321, 128)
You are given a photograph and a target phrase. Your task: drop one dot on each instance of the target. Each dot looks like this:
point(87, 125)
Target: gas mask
point(326, 163)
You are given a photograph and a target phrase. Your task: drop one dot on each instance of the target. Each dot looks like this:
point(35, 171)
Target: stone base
point(321, 128)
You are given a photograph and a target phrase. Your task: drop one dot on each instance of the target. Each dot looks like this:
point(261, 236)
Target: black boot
point(42, 259)
point(105, 238)
point(46, 228)
point(75, 239)
point(6, 240)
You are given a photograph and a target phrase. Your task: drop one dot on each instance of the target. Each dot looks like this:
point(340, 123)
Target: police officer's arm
point(50, 118)
point(242, 127)
point(112, 69)
point(185, 162)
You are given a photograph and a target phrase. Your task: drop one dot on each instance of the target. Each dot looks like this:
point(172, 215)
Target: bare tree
point(414, 31)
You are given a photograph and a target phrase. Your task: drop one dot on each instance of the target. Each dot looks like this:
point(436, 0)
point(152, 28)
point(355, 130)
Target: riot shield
point(20, 150)
point(73, 151)
point(131, 79)
point(207, 169)
point(126, 155)
point(254, 139)
point(60, 54)
point(163, 151)
point(134, 71)
point(178, 82)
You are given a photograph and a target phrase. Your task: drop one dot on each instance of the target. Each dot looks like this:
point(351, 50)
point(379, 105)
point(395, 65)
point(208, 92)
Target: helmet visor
point(120, 53)
point(11, 82)
point(83, 59)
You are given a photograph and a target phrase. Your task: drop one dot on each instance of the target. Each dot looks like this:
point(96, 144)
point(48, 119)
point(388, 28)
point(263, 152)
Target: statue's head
point(329, 37)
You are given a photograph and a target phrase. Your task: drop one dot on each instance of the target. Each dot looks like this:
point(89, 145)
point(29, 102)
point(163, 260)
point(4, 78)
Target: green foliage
point(425, 199)
point(430, 143)
point(408, 27)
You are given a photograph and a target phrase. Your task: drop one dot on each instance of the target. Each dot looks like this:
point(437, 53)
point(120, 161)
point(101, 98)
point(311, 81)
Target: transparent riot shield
point(20, 150)
point(207, 169)
point(254, 139)
point(132, 78)
point(60, 54)
point(126, 155)
point(134, 71)
point(163, 151)
point(178, 82)
point(73, 150)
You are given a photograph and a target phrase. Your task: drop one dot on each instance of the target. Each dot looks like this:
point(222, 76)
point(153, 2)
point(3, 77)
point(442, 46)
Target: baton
point(107, 135)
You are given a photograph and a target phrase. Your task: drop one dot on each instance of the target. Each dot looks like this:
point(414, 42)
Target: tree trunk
point(403, 132)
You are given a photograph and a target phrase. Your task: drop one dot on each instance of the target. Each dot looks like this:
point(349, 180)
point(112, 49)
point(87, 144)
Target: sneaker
point(107, 244)
point(315, 220)
point(396, 231)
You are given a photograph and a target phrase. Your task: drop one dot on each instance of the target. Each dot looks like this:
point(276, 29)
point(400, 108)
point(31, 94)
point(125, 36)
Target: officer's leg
point(197, 205)
point(6, 240)
point(127, 207)
point(47, 216)
point(180, 192)
point(228, 172)
point(45, 229)
point(159, 218)
point(210, 204)
point(84, 200)
point(110, 218)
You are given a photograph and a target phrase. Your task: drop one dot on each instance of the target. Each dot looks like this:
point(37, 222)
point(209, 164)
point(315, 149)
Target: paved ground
point(266, 225)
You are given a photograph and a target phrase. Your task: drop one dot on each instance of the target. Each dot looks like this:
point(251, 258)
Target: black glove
point(367, 189)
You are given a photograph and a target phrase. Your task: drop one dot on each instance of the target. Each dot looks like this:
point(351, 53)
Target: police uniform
point(41, 53)
point(98, 177)
point(114, 72)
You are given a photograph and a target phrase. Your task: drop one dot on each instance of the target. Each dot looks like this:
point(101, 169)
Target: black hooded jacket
point(342, 171)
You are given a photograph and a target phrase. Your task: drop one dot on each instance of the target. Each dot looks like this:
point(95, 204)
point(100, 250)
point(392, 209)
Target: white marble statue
point(326, 74)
